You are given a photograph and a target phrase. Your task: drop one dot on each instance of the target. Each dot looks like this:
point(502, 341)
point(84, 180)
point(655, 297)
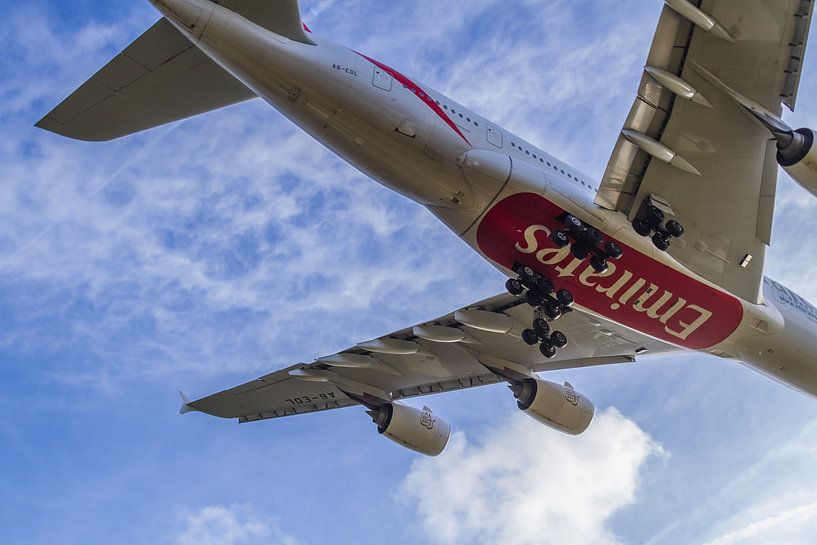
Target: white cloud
point(521, 483)
point(793, 526)
point(229, 525)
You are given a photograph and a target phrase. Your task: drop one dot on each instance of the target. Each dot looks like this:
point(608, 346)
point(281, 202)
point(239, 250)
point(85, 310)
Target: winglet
point(185, 408)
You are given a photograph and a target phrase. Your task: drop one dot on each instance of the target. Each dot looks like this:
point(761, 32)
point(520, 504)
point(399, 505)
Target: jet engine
point(797, 155)
point(557, 406)
point(413, 428)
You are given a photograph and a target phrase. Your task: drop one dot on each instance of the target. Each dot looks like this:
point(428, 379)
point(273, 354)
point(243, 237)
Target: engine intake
point(412, 428)
point(557, 406)
point(797, 155)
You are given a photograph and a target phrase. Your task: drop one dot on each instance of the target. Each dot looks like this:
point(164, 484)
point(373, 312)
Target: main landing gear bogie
point(587, 241)
point(650, 223)
point(549, 305)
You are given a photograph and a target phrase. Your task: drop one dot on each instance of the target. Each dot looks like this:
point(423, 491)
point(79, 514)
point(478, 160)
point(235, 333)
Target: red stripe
point(306, 28)
point(422, 95)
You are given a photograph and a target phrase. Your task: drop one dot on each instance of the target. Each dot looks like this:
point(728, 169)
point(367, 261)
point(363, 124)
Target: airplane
point(663, 254)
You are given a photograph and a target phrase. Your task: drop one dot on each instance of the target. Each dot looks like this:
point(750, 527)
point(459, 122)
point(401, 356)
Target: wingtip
point(185, 408)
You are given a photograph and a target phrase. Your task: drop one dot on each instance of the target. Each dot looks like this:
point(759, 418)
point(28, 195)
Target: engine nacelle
point(557, 406)
point(799, 158)
point(413, 428)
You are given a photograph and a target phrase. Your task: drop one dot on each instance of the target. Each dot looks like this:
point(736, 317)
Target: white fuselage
point(499, 193)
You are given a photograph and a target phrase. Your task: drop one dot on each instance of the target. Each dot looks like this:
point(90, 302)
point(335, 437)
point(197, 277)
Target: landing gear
point(514, 286)
point(642, 227)
point(587, 242)
point(533, 298)
point(674, 228)
point(541, 327)
point(599, 264)
point(530, 337)
point(549, 304)
point(660, 241)
point(558, 339)
point(560, 239)
point(650, 221)
point(565, 298)
point(612, 250)
point(539, 292)
point(547, 349)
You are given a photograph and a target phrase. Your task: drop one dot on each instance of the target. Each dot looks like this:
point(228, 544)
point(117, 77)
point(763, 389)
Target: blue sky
point(202, 254)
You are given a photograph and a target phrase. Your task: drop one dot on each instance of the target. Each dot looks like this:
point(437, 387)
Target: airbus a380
point(663, 254)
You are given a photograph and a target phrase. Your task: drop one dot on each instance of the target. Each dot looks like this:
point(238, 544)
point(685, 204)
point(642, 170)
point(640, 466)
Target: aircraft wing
point(689, 145)
point(459, 350)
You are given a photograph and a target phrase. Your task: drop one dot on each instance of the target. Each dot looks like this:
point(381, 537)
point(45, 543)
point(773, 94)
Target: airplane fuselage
point(500, 194)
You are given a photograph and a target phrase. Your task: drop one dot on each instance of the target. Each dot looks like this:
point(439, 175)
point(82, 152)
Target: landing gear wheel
point(545, 285)
point(642, 227)
point(547, 349)
point(599, 264)
point(552, 310)
point(558, 339)
point(526, 273)
point(655, 216)
point(514, 286)
point(530, 337)
point(564, 297)
point(541, 328)
point(612, 250)
point(674, 228)
point(574, 224)
point(592, 237)
point(661, 242)
point(533, 298)
point(579, 251)
point(560, 239)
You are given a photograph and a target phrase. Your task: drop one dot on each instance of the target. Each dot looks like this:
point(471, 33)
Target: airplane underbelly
point(637, 290)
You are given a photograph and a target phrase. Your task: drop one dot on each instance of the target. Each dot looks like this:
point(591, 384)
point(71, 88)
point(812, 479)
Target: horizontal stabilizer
point(159, 78)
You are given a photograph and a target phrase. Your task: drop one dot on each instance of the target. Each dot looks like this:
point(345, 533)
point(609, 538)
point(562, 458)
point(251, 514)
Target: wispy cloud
point(228, 525)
